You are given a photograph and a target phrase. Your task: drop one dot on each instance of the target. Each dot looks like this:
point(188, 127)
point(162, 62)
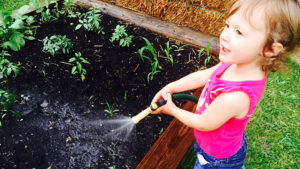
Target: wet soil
point(62, 120)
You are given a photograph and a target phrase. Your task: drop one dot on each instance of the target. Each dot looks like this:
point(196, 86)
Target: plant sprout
point(91, 21)
point(57, 44)
point(121, 36)
point(167, 52)
point(208, 58)
point(6, 99)
point(110, 109)
point(79, 61)
point(154, 64)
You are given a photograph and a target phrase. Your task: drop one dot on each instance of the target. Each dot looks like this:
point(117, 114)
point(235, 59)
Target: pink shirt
point(227, 139)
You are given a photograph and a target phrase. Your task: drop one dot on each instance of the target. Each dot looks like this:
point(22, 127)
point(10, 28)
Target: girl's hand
point(168, 108)
point(162, 94)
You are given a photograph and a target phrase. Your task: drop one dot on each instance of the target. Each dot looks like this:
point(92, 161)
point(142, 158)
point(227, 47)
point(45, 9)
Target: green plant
point(14, 30)
point(7, 67)
point(110, 109)
point(208, 58)
point(57, 44)
point(179, 48)
point(167, 52)
point(45, 11)
point(91, 21)
point(120, 35)
point(70, 4)
point(78, 67)
point(6, 99)
point(154, 64)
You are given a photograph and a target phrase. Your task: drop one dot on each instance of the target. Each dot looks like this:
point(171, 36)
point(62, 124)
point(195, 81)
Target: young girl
point(256, 35)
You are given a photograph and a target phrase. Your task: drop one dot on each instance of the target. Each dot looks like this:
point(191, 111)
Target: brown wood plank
point(183, 34)
point(172, 145)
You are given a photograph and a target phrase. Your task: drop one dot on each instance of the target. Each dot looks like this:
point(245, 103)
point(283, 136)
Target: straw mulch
point(182, 14)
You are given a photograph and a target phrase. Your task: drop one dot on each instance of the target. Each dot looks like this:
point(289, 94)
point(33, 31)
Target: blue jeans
point(236, 161)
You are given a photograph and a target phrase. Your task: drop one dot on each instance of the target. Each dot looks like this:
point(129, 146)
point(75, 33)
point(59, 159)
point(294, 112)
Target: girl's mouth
point(224, 50)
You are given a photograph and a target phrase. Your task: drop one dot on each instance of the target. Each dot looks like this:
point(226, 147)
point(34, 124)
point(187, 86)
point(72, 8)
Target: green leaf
point(12, 45)
point(18, 24)
point(30, 37)
point(74, 70)
point(23, 9)
point(72, 59)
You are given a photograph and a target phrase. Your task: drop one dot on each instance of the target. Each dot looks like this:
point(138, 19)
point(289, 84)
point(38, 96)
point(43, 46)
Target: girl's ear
point(275, 49)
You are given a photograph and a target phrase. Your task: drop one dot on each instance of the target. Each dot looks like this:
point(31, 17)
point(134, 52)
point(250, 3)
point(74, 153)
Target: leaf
point(23, 9)
point(30, 37)
point(18, 24)
point(72, 59)
point(78, 27)
point(74, 70)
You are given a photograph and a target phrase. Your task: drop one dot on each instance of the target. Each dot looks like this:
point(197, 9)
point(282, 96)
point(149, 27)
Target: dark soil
point(62, 121)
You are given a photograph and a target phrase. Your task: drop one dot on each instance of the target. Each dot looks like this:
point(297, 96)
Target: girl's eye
point(239, 32)
point(226, 25)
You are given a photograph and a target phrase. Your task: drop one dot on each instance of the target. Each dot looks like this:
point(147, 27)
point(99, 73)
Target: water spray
point(161, 102)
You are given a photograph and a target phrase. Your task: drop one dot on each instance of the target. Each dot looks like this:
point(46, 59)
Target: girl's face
point(242, 42)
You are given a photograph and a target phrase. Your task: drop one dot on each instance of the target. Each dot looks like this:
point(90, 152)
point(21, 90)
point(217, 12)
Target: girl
point(256, 36)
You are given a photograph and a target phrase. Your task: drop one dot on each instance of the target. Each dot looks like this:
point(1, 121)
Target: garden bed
point(62, 121)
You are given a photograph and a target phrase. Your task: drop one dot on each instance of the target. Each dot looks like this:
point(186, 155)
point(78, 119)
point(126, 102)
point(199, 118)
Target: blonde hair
point(282, 24)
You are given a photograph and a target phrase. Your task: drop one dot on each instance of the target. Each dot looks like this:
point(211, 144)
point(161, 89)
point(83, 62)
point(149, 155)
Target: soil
point(63, 122)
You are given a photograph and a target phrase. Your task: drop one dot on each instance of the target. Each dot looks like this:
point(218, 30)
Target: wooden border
point(170, 30)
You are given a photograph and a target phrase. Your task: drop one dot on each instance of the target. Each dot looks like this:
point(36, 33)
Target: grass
point(7, 5)
point(273, 131)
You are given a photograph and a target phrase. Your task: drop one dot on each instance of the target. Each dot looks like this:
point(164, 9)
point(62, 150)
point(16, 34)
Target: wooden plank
point(183, 34)
point(172, 145)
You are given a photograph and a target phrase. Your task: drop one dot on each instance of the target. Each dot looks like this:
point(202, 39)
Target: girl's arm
point(223, 108)
point(189, 82)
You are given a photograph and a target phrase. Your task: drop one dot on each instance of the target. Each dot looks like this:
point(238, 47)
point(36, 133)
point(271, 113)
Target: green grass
point(8, 5)
point(273, 131)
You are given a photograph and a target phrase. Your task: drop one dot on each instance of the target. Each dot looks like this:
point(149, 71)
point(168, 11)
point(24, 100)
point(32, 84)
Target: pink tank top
point(227, 139)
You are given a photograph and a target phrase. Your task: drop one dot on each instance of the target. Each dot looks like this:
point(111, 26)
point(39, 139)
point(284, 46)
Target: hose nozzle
point(137, 118)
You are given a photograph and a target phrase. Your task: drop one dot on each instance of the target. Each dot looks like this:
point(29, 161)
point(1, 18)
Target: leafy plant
point(154, 64)
point(57, 44)
point(208, 58)
point(45, 10)
point(7, 67)
point(167, 52)
point(91, 21)
point(70, 4)
point(110, 109)
point(121, 36)
point(78, 67)
point(6, 99)
point(14, 31)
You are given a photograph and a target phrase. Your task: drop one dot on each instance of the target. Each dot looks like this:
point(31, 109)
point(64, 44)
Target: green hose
point(185, 96)
point(161, 102)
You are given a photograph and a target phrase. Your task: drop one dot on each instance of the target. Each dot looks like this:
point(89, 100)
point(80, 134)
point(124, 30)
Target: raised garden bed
point(62, 121)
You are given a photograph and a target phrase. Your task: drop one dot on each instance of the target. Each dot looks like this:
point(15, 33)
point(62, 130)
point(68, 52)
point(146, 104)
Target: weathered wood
point(172, 145)
point(170, 30)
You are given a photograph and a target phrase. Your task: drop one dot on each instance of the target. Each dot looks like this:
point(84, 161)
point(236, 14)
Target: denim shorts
point(236, 161)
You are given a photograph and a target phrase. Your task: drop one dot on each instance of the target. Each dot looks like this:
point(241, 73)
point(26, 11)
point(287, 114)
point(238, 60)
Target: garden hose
point(161, 102)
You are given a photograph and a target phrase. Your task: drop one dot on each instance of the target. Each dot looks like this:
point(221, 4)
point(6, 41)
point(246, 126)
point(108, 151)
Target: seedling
point(91, 21)
point(167, 52)
point(7, 67)
point(179, 48)
point(70, 4)
point(208, 58)
point(110, 109)
point(154, 64)
point(57, 44)
point(6, 99)
point(14, 31)
point(79, 61)
point(121, 36)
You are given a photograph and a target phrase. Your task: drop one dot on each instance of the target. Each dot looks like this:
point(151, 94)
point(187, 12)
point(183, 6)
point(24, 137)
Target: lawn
point(273, 132)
